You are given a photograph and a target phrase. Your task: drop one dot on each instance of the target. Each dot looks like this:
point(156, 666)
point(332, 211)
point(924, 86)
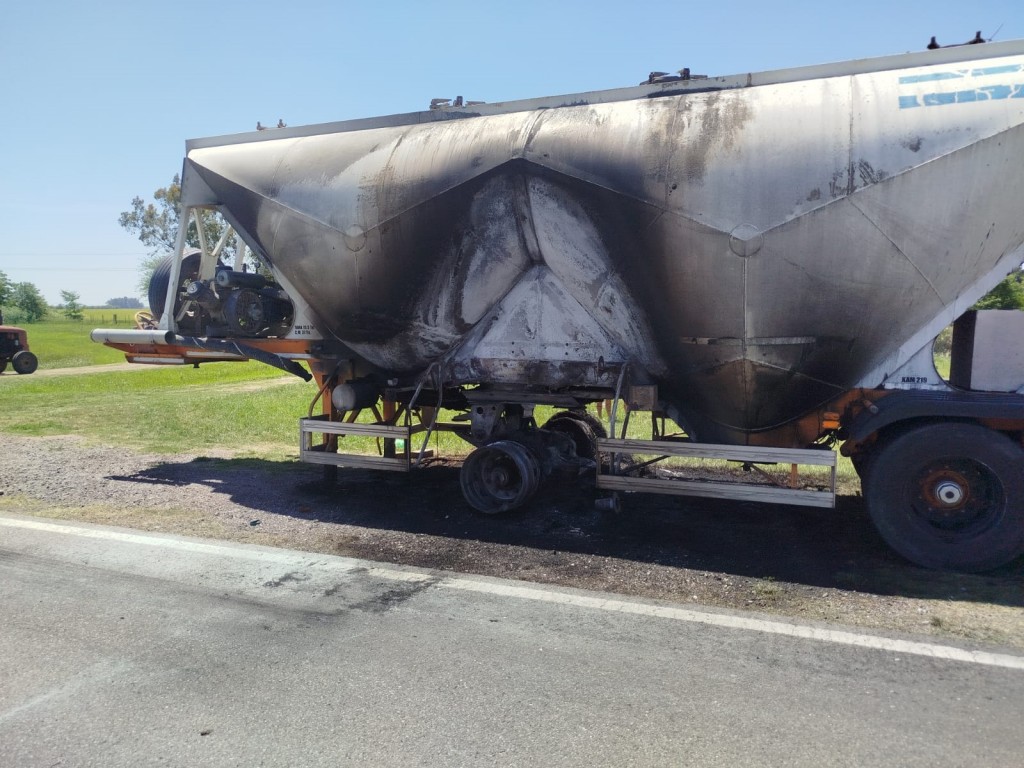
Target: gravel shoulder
point(813, 565)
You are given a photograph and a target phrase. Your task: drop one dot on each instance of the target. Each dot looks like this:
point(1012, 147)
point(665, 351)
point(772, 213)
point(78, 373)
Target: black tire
point(25, 362)
point(3, 364)
point(582, 427)
point(860, 465)
point(162, 275)
point(949, 496)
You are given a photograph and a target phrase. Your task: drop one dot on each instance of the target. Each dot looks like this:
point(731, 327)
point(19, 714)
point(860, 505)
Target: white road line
point(741, 622)
point(504, 589)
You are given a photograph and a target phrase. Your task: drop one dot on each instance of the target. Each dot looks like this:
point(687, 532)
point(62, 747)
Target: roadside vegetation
point(219, 409)
point(61, 342)
point(229, 408)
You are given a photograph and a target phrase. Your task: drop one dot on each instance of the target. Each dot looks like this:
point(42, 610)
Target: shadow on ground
point(813, 547)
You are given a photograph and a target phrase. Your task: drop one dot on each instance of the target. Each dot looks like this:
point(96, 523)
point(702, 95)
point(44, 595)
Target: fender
point(920, 404)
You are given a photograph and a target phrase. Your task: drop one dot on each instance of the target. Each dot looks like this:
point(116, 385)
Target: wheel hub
point(955, 495)
point(949, 493)
point(498, 477)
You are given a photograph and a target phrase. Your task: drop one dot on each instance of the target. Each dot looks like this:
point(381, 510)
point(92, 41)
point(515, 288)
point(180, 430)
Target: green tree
point(156, 225)
point(27, 298)
point(72, 309)
point(5, 288)
point(1009, 294)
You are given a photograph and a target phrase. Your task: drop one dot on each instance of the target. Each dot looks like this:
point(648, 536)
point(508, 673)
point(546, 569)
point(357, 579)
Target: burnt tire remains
point(499, 477)
point(581, 427)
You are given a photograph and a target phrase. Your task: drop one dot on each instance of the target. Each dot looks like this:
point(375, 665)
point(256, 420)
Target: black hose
point(253, 353)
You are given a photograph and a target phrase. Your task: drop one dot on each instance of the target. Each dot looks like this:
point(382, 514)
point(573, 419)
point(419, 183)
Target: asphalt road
point(128, 649)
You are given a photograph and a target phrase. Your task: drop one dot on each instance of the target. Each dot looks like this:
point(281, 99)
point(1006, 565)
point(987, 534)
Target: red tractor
point(14, 349)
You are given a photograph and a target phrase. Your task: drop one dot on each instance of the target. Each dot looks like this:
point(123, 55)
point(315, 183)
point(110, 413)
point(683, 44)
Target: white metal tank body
point(755, 244)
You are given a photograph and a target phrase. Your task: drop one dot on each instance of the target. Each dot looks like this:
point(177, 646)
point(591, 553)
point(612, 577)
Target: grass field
point(62, 343)
point(243, 409)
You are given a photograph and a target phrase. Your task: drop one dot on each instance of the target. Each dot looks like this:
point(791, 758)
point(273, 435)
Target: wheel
point(595, 424)
point(499, 477)
point(162, 275)
point(583, 428)
point(25, 362)
point(949, 496)
point(862, 466)
point(3, 364)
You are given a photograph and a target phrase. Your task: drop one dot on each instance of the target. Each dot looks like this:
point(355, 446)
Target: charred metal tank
point(754, 245)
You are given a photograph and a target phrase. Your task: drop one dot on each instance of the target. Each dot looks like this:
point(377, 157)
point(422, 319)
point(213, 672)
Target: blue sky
point(97, 99)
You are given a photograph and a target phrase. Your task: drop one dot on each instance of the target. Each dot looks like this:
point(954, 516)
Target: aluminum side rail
point(716, 489)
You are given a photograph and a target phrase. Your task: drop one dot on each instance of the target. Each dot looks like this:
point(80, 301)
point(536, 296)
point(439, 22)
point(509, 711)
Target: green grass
point(239, 408)
point(105, 317)
point(244, 409)
point(62, 343)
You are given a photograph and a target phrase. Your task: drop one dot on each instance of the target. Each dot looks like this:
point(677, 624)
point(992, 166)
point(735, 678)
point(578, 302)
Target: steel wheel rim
point(499, 477)
point(959, 496)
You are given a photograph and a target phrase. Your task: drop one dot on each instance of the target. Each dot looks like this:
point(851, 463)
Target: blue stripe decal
point(986, 93)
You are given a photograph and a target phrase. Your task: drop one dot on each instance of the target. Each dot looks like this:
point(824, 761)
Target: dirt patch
point(811, 564)
point(88, 369)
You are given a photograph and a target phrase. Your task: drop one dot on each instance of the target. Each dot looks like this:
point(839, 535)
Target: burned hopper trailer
point(760, 261)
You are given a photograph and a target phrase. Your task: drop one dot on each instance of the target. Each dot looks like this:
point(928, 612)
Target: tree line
point(22, 302)
point(24, 297)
